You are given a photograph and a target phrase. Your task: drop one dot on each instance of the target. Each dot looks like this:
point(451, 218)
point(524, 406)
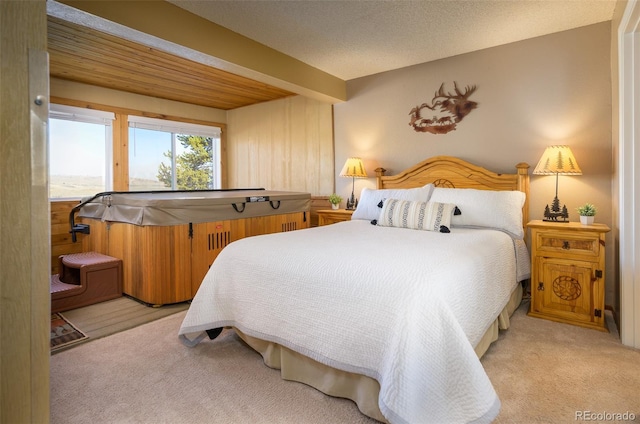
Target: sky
point(78, 149)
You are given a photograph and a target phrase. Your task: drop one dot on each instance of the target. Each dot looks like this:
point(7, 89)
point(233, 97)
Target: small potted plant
point(587, 213)
point(335, 200)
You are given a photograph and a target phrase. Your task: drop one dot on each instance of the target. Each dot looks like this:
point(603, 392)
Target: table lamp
point(353, 168)
point(557, 160)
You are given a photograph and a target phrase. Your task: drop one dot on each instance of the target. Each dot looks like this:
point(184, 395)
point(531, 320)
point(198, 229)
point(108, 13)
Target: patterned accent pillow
point(429, 216)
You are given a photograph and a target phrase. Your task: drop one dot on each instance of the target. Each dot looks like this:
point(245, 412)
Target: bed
point(392, 309)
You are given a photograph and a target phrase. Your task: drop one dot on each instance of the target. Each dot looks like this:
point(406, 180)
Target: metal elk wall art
point(444, 112)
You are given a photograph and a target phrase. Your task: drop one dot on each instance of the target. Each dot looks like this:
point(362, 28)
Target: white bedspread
point(405, 307)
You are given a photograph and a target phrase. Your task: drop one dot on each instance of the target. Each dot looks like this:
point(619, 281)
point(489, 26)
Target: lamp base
point(554, 213)
point(563, 220)
point(352, 203)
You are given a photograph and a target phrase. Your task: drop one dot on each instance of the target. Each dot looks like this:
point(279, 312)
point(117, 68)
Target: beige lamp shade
point(557, 160)
point(353, 167)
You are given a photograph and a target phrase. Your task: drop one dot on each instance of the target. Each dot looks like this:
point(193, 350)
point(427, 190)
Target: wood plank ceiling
point(85, 55)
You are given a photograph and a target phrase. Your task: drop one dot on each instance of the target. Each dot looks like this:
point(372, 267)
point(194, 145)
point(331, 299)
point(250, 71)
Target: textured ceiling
point(356, 38)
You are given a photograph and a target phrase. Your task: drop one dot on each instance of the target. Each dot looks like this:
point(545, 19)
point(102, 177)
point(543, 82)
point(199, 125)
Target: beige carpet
point(547, 372)
point(543, 372)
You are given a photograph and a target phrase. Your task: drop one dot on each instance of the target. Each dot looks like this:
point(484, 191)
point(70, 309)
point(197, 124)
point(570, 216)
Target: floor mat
point(64, 333)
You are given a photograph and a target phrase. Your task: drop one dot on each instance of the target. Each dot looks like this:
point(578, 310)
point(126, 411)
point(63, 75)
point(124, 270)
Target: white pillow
point(485, 208)
point(427, 216)
point(369, 199)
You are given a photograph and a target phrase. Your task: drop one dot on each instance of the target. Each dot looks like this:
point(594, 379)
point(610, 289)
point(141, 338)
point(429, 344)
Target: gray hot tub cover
point(183, 207)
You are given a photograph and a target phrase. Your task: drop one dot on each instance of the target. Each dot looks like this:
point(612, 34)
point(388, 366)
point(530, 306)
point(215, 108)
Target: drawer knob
point(565, 245)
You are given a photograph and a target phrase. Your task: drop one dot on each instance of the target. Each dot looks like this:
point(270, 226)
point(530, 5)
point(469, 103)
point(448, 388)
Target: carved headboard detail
point(441, 182)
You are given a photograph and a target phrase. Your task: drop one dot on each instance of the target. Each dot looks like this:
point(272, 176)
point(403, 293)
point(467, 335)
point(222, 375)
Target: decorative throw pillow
point(369, 199)
point(429, 216)
point(485, 208)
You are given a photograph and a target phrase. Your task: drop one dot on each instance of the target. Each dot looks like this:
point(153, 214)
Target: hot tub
point(168, 240)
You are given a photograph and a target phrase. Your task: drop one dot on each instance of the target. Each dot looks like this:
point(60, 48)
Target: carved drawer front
point(564, 243)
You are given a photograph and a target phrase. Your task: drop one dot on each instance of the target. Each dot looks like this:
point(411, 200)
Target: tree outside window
point(193, 167)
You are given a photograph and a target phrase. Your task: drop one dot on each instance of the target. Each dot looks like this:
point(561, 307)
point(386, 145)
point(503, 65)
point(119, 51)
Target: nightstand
point(567, 272)
point(331, 216)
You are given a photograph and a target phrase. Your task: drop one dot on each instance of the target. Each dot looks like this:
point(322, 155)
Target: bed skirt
point(361, 389)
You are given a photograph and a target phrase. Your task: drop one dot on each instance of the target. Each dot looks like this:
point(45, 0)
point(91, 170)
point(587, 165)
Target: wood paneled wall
point(24, 217)
point(282, 145)
point(61, 243)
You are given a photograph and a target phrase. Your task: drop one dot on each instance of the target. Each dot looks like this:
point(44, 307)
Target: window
point(80, 151)
point(168, 155)
point(163, 155)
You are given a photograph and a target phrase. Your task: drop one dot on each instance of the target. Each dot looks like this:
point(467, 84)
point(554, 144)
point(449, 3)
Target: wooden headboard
point(447, 171)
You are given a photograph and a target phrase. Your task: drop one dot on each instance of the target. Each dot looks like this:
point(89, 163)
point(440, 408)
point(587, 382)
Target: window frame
point(120, 129)
point(89, 116)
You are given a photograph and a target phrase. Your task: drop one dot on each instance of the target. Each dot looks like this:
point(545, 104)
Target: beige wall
point(549, 90)
point(282, 145)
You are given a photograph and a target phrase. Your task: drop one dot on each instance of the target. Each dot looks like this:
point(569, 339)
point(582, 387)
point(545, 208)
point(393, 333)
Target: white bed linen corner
point(405, 307)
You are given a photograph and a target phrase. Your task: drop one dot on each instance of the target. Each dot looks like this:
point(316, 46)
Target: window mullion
point(174, 168)
point(108, 153)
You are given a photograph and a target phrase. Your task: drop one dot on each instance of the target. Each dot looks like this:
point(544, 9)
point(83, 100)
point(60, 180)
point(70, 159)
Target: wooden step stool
point(84, 279)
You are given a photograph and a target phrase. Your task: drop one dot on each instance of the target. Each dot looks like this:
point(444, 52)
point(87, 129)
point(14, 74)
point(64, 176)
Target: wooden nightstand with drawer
point(567, 272)
point(331, 216)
